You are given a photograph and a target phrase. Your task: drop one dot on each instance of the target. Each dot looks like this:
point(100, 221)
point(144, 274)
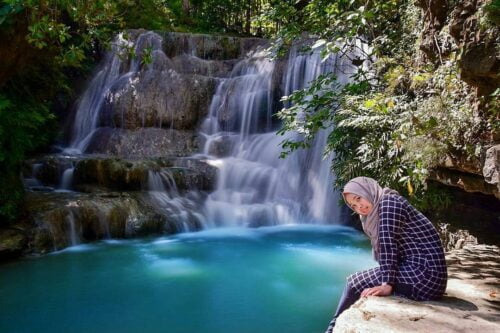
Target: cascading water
point(32, 181)
point(113, 73)
point(181, 210)
point(67, 179)
point(255, 187)
point(73, 234)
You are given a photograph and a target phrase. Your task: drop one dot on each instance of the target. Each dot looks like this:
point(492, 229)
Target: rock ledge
point(471, 303)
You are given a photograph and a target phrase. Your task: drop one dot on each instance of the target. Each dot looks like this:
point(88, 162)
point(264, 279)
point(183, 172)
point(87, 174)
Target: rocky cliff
point(463, 32)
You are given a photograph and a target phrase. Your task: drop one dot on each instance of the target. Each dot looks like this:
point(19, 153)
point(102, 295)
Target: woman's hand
point(383, 290)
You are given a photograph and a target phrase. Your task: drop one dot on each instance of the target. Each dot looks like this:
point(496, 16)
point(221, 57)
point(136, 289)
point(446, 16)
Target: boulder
point(153, 98)
point(491, 167)
point(480, 65)
point(143, 142)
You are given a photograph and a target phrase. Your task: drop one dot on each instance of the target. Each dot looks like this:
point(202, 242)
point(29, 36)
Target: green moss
point(420, 81)
point(43, 241)
point(117, 219)
point(492, 10)
point(394, 77)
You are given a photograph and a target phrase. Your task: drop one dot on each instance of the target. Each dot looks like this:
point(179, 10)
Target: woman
point(405, 244)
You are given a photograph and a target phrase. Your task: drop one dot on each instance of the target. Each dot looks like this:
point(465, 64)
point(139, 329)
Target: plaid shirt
point(410, 252)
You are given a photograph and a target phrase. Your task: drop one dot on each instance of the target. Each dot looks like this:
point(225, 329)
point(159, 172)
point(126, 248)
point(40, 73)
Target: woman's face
point(358, 204)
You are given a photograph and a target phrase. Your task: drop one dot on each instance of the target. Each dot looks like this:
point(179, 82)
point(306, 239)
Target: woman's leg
point(356, 283)
point(348, 298)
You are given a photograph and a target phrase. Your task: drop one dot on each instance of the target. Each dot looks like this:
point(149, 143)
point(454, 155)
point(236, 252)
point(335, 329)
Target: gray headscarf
point(369, 189)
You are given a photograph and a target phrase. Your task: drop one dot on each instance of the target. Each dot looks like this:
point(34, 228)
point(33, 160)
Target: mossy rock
point(43, 241)
point(12, 243)
point(115, 174)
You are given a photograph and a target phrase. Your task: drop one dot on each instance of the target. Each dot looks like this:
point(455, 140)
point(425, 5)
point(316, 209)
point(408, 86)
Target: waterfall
point(32, 181)
point(180, 209)
point(114, 72)
point(67, 179)
point(241, 101)
point(73, 235)
point(255, 187)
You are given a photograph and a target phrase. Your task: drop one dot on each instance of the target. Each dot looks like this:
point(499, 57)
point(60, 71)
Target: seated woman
point(405, 244)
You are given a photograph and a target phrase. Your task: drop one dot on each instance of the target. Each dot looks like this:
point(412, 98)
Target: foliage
point(492, 10)
point(22, 127)
point(396, 121)
point(219, 16)
point(71, 29)
point(62, 39)
point(338, 25)
point(309, 111)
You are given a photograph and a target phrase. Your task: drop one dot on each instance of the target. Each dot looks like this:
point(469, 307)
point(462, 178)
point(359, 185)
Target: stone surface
point(112, 173)
point(60, 219)
point(97, 173)
point(175, 90)
point(475, 41)
point(491, 168)
point(455, 240)
point(435, 16)
point(143, 142)
point(49, 169)
point(466, 181)
point(461, 163)
point(118, 198)
point(187, 64)
point(479, 63)
point(12, 243)
point(471, 303)
point(158, 98)
point(208, 46)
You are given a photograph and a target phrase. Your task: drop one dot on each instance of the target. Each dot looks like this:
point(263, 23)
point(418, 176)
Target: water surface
point(268, 280)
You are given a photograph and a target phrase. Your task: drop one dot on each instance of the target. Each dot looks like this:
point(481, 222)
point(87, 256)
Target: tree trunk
point(248, 17)
point(186, 7)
